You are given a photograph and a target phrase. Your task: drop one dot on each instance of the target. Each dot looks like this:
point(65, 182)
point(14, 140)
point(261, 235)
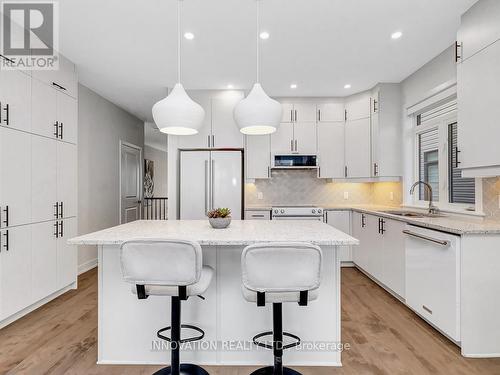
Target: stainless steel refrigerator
point(210, 179)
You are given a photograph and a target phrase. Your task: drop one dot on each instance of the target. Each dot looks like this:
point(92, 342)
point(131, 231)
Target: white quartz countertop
point(240, 232)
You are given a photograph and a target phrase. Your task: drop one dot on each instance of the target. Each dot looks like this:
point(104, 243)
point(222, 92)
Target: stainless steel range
point(297, 213)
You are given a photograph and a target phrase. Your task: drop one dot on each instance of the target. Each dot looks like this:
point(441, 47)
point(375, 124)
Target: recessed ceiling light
point(264, 35)
point(293, 86)
point(230, 86)
point(396, 35)
point(189, 36)
point(348, 86)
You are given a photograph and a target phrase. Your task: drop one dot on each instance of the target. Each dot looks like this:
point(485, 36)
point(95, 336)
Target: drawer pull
point(427, 309)
point(426, 238)
point(258, 216)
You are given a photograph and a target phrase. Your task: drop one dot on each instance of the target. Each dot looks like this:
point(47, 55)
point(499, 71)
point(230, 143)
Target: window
point(438, 159)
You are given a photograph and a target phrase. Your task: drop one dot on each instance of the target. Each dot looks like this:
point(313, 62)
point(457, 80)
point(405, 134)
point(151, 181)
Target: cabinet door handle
point(61, 230)
point(427, 309)
point(296, 147)
point(291, 145)
point(382, 226)
point(457, 151)
point(56, 213)
point(375, 169)
point(319, 172)
point(7, 111)
point(61, 210)
point(6, 245)
point(6, 219)
point(58, 86)
point(61, 130)
point(319, 115)
point(258, 216)
point(457, 55)
point(375, 108)
point(345, 115)
point(363, 221)
point(56, 227)
point(345, 171)
point(295, 115)
point(268, 172)
point(213, 140)
point(426, 238)
point(56, 126)
point(206, 186)
point(208, 141)
point(291, 115)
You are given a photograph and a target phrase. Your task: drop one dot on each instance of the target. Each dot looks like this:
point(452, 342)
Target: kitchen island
point(127, 326)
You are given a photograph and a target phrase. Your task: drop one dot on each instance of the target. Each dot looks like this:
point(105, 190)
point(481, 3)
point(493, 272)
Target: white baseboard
point(82, 268)
point(36, 305)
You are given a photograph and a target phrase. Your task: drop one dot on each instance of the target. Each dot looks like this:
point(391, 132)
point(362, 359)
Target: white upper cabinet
point(43, 179)
point(358, 106)
point(67, 118)
point(67, 177)
point(358, 148)
point(258, 156)
point(15, 99)
point(479, 28)
point(15, 177)
point(331, 149)
point(44, 109)
point(331, 112)
point(226, 133)
point(304, 112)
point(305, 138)
point(477, 91)
point(386, 131)
point(63, 79)
point(287, 114)
point(282, 139)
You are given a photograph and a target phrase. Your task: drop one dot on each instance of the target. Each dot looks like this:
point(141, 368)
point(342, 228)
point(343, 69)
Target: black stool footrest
point(182, 341)
point(186, 369)
point(269, 333)
point(270, 371)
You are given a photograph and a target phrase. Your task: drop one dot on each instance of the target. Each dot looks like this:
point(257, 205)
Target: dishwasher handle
point(426, 238)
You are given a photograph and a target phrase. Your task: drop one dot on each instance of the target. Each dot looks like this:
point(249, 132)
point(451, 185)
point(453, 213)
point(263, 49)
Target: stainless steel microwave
point(295, 161)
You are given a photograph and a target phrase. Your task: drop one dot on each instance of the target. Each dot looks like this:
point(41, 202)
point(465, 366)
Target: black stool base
point(270, 371)
point(186, 369)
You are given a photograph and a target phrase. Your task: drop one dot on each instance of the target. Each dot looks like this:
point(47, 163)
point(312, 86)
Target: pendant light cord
point(179, 41)
point(258, 41)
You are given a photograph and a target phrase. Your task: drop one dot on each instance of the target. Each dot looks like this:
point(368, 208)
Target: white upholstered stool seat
point(195, 289)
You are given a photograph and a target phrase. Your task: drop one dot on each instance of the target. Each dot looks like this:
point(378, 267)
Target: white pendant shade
point(258, 114)
point(178, 114)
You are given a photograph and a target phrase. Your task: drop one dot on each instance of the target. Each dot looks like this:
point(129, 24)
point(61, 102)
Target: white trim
point(432, 97)
point(131, 145)
point(12, 318)
point(87, 266)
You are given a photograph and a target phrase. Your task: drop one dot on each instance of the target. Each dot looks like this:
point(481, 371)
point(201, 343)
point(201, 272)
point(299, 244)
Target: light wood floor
point(385, 338)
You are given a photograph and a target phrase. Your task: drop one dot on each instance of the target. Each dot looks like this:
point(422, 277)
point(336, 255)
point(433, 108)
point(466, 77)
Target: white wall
point(415, 88)
point(101, 125)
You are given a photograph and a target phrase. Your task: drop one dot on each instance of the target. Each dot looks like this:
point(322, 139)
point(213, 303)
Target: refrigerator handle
point(206, 186)
point(212, 175)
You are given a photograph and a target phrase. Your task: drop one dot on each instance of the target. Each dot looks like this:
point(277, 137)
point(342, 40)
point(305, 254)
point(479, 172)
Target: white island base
point(128, 326)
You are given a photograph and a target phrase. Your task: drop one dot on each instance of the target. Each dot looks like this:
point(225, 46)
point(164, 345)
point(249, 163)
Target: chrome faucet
point(432, 209)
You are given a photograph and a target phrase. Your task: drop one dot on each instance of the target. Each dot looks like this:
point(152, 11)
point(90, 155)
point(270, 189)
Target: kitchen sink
point(412, 214)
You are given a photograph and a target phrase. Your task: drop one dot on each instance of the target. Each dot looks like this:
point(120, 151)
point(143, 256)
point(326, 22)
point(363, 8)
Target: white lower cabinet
point(381, 252)
point(67, 255)
point(341, 220)
point(15, 270)
point(433, 278)
point(44, 259)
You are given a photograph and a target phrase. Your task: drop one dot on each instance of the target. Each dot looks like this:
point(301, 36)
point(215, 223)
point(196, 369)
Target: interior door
point(226, 181)
point(194, 185)
point(15, 177)
point(15, 99)
point(358, 146)
point(43, 178)
point(131, 183)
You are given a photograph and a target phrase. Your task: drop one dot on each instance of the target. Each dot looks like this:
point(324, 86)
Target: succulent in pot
point(219, 218)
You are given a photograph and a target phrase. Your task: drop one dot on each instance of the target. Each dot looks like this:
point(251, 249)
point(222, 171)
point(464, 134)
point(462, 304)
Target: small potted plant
point(219, 218)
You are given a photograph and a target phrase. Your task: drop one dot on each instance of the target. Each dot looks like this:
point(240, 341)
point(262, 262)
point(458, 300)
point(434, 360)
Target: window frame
point(442, 123)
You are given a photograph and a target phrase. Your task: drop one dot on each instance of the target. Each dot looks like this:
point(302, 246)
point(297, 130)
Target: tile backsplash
point(491, 191)
point(295, 187)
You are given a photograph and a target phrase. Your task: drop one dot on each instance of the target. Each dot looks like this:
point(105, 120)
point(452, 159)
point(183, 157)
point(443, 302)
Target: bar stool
point(277, 273)
point(171, 268)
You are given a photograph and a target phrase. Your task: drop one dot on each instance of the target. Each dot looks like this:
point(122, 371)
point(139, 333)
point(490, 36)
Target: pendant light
point(178, 114)
point(258, 114)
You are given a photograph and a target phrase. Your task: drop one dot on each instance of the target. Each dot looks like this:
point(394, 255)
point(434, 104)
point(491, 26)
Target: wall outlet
point(346, 195)
point(260, 196)
point(391, 196)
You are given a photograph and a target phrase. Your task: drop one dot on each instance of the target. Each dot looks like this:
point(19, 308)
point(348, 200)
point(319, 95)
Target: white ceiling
point(126, 49)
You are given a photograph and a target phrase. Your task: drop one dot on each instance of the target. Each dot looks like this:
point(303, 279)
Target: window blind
point(429, 162)
point(462, 190)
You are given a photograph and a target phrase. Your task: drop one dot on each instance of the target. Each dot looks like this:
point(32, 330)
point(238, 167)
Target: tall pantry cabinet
point(38, 186)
